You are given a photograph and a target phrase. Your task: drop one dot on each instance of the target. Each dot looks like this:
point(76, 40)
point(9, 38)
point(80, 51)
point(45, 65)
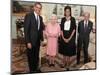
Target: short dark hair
point(67, 7)
point(38, 3)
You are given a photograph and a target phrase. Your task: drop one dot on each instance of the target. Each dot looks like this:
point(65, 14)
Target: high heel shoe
point(63, 65)
point(51, 65)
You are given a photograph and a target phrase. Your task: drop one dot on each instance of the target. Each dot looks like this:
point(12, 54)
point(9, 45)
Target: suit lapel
point(34, 17)
point(88, 24)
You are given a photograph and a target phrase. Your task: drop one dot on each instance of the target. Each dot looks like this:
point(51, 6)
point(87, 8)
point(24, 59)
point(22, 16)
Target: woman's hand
point(55, 36)
point(49, 35)
point(29, 45)
point(52, 35)
point(66, 40)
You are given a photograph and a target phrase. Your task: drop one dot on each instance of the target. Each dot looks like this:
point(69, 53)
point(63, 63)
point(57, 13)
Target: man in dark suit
point(84, 29)
point(33, 29)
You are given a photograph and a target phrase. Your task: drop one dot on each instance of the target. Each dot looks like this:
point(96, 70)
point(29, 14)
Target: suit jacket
point(73, 26)
point(82, 34)
point(32, 34)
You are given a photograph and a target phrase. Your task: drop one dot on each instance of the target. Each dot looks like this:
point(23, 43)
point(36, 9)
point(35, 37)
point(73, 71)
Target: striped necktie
point(85, 26)
point(38, 22)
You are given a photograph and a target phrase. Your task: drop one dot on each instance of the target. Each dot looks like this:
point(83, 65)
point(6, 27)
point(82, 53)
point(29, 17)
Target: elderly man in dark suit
point(33, 29)
point(84, 29)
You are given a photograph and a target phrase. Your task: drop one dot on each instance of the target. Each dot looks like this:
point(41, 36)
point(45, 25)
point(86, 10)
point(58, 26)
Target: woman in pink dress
point(52, 32)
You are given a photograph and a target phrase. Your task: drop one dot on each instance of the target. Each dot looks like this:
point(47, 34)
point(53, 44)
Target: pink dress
point(52, 33)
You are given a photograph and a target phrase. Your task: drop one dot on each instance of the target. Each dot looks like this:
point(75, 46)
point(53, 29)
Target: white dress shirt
point(67, 25)
point(85, 23)
point(38, 19)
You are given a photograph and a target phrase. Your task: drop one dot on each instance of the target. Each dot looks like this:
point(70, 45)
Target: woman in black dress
point(68, 36)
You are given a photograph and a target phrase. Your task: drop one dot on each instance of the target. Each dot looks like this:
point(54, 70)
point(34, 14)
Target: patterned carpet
point(19, 61)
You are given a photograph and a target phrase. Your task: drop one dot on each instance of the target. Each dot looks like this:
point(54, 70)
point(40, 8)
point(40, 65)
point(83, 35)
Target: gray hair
point(53, 15)
point(86, 13)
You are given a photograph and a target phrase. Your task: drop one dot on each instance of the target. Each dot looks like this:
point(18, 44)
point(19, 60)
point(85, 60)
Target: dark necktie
point(37, 21)
point(85, 27)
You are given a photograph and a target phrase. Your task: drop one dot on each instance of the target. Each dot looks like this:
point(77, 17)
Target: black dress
point(68, 49)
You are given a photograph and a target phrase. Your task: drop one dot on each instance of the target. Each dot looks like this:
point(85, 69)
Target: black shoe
point(31, 71)
point(38, 71)
point(85, 62)
point(67, 69)
point(62, 66)
point(50, 65)
point(53, 65)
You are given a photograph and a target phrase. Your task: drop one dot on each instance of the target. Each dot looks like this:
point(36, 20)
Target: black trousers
point(33, 57)
point(84, 46)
